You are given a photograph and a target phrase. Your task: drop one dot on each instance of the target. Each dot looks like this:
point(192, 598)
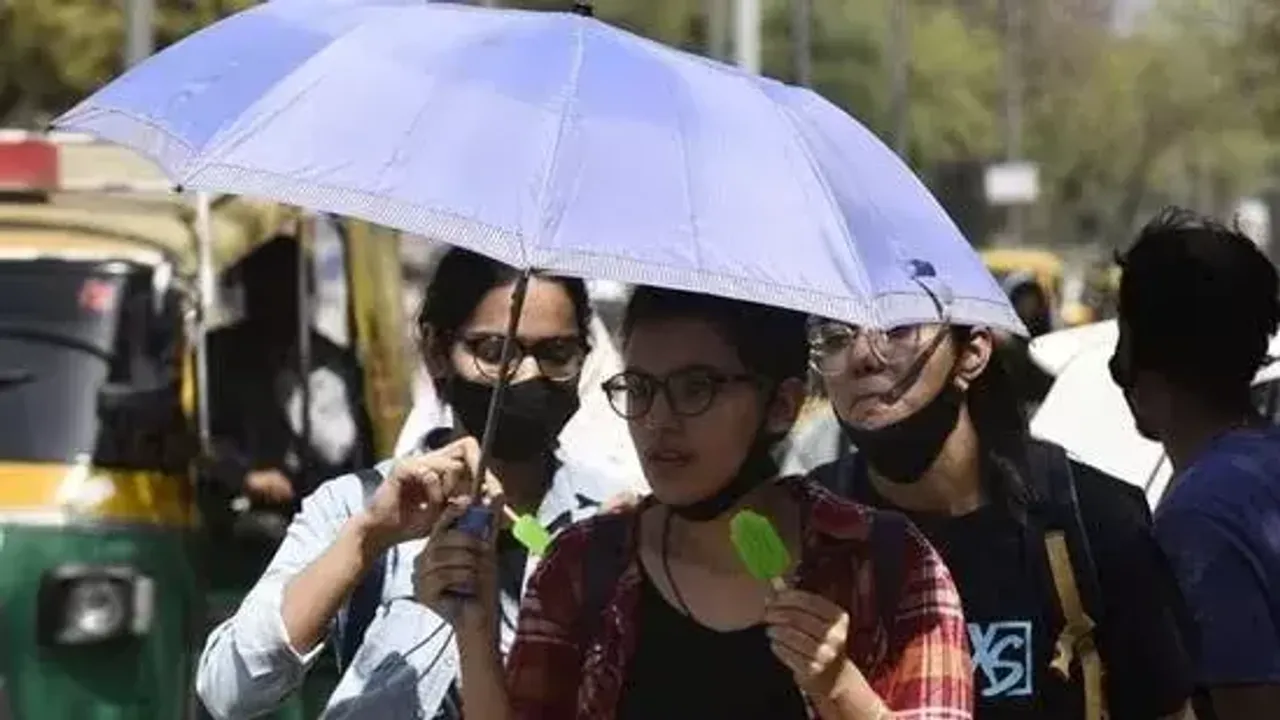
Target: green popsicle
point(759, 547)
point(530, 534)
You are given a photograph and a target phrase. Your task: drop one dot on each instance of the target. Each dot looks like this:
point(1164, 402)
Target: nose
point(526, 368)
point(862, 358)
point(660, 415)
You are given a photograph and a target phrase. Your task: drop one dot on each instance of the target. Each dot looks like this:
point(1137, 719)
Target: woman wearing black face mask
point(347, 564)
point(649, 613)
point(939, 435)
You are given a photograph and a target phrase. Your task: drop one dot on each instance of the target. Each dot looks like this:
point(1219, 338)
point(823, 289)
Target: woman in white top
point(344, 572)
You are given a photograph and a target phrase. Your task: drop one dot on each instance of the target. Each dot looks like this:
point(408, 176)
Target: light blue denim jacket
point(408, 657)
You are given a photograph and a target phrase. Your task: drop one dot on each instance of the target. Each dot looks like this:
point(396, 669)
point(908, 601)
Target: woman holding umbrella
point(649, 612)
point(344, 570)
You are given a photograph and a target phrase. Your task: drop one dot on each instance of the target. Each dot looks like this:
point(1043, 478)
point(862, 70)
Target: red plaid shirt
point(915, 656)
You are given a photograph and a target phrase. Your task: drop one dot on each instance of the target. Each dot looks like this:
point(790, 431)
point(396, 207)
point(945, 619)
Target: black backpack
point(1054, 514)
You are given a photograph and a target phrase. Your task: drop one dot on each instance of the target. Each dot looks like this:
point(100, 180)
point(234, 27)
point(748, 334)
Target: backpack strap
point(365, 599)
point(1074, 574)
point(888, 547)
point(603, 562)
point(839, 476)
point(888, 532)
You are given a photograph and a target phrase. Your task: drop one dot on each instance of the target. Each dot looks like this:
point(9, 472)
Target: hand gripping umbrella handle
point(478, 522)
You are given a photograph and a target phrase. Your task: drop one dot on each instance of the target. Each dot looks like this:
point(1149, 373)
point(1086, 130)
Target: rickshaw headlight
point(95, 608)
point(81, 605)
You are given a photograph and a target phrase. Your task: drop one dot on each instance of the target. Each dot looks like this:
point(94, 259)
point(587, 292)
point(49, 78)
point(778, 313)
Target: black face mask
point(532, 414)
point(903, 451)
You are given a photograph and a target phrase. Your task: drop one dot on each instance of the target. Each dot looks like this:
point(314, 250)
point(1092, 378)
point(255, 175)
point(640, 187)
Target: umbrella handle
point(478, 522)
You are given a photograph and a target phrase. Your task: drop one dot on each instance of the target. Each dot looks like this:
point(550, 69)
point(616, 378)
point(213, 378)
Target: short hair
point(1200, 302)
point(770, 342)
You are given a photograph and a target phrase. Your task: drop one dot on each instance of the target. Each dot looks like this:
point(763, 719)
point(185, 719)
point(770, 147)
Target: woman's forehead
point(548, 311)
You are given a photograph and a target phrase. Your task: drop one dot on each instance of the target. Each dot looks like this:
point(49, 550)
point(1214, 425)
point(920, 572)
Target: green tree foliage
point(1258, 56)
point(1118, 121)
point(53, 52)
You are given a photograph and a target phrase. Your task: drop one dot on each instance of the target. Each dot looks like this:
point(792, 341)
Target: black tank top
point(683, 669)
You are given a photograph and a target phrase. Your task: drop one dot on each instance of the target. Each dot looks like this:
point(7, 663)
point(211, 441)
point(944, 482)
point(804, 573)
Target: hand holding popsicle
point(807, 632)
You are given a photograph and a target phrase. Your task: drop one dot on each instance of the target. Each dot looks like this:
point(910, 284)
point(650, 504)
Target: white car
point(1086, 413)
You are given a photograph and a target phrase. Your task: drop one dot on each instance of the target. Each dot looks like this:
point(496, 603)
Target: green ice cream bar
point(759, 546)
point(530, 534)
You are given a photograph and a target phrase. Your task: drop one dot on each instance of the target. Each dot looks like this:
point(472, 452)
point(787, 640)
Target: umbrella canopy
point(552, 141)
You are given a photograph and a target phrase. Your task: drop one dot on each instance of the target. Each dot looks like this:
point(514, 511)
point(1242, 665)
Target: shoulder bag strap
point(1067, 559)
point(364, 602)
point(602, 565)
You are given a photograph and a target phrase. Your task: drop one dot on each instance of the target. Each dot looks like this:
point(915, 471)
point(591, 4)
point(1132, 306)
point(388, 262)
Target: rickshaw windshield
point(67, 331)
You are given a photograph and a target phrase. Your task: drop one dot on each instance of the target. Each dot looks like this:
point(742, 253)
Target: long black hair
point(1001, 425)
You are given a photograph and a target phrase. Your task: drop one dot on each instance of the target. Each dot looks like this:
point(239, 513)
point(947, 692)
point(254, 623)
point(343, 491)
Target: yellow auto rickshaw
point(103, 604)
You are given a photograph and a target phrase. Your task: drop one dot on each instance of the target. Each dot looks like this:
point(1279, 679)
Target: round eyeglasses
point(559, 359)
point(833, 345)
point(689, 392)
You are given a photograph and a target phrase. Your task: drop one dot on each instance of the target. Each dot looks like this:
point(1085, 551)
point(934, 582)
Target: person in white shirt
point(344, 573)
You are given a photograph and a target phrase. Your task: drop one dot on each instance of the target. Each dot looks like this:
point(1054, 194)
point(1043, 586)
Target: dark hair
point(462, 279)
point(1200, 303)
point(270, 268)
point(996, 410)
point(771, 342)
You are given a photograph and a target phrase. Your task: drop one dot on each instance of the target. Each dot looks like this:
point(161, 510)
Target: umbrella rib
point(786, 116)
point(665, 53)
point(572, 88)
point(687, 176)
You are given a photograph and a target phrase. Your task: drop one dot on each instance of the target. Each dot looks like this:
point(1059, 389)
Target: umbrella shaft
point(500, 388)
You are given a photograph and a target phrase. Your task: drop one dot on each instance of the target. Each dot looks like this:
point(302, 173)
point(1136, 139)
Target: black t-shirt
point(683, 669)
point(1001, 570)
point(997, 573)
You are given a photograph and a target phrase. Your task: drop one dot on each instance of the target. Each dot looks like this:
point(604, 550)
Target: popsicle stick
point(778, 584)
point(510, 514)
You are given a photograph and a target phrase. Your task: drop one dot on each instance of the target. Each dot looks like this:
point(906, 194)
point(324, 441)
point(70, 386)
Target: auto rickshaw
point(103, 605)
point(1045, 267)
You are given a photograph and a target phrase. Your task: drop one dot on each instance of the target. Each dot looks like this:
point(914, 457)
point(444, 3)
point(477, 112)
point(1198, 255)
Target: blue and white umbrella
point(552, 141)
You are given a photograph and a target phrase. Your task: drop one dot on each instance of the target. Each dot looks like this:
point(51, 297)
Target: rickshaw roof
point(145, 229)
point(111, 203)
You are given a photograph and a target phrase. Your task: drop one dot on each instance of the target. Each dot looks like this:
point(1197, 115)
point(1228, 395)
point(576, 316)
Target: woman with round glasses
point(1031, 538)
point(649, 612)
point(345, 572)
